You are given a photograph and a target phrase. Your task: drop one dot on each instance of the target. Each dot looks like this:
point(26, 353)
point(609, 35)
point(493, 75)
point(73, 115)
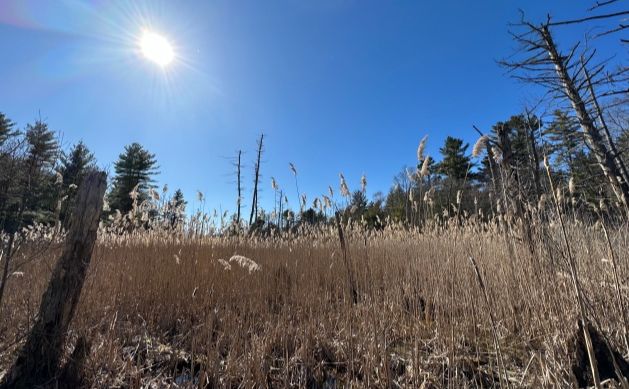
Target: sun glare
point(156, 48)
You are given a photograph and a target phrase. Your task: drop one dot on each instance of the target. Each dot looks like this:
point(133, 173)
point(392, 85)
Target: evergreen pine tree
point(6, 129)
point(39, 187)
point(455, 163)
point(134, 169)
point(565, 140)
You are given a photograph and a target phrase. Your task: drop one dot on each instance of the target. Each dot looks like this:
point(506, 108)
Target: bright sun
point(156, 48)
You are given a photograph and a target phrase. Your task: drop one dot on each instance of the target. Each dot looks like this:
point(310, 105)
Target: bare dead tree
point(620, 16)
point(38, 362)
point(254, 203)
point(605, 129)
point(566, 77)
point(238, 187)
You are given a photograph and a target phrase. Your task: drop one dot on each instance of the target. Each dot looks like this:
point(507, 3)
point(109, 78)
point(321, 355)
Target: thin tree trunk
point(38, 361)
point(254, 204)
point(608, 137)
point(239, 202)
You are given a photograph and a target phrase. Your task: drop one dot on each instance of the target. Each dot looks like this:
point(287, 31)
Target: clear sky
point(335, 85)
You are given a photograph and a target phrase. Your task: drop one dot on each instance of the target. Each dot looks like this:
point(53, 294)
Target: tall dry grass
point(163, 308)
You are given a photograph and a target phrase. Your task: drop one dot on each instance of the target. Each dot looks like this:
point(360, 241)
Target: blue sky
point(335, 85)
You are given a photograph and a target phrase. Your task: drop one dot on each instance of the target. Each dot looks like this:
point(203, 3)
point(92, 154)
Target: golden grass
point(158, 306)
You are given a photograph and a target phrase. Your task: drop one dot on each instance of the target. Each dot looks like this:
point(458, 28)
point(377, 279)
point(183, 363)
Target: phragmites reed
point(497, 154)
point(327, 202)
point(274, 184)
point(480, 146)
point(571, 187)
point(576, 284)
point(363, 183)
point(343, 186)
point(425, 167)
point(421, 147)
point(245, 263)
point(292, 168)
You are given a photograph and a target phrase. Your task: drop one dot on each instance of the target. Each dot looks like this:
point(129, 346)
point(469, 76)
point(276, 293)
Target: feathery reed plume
point(479, 146)
point(153, 194)
point(331, 191)
point(429, 194)
point(134, 192)
point(274, 184)
point(542, 201)
point(343, 186)
point(327, 202)
point(425, 166)
point(292, 168)
point(497, 154)
point(421, 147)
point(224, 263)
point(363, 183)
point(303, 200)
point(571, 187)
point(245, 263)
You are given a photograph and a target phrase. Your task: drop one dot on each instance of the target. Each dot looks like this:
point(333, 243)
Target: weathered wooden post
point(38, 362)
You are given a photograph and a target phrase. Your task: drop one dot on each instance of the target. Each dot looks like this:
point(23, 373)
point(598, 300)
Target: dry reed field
point(170, 309)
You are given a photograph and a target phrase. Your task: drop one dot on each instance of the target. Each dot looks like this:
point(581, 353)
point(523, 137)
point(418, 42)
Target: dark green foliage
point(520, 157)
point(74, 165)
point(6, 129)
point(176, 209)
point(455, 163)
point(312, 216)
point(38, 186)
point(134, 169)
point(396, 203)
point(564, 140)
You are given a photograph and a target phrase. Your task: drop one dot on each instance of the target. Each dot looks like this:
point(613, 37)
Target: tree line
point(39, 180)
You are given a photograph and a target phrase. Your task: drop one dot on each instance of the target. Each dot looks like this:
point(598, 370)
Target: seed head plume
point(343, 187)
point(274, 184)
point(425, 165)
point(571, 187)
point(292, 168)
point(327, 202)
point(245, 263)
point(421, 147)
point(479, 146)
point(497, 154)
point(363, 183)
point(304, 199)
point(59, 178)
point(134, 192)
